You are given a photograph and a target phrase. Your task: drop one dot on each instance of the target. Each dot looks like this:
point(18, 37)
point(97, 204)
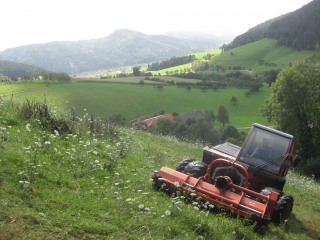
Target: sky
point(24, 22)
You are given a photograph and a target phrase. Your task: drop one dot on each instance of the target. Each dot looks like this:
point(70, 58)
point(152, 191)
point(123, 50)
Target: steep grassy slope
point(248, 55)
point(84, 186)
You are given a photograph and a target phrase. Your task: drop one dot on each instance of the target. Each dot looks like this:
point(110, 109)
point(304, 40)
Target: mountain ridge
point(122, 47)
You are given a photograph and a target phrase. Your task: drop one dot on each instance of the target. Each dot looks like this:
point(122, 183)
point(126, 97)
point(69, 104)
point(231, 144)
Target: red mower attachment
point(219, 194)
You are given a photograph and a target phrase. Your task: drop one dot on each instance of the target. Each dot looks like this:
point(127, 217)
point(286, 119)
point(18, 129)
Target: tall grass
point(93, 181)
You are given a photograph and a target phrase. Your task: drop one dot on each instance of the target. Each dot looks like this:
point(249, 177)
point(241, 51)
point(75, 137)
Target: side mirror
point(297, 160)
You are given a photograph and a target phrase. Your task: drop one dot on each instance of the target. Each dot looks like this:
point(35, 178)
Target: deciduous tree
point(294, 107)
point(234, 100)
point(223, 115)
point(136, 71)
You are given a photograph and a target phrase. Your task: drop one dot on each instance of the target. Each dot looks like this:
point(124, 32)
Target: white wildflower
point(47, 143)
point(176, 184)
point(141, 206)
point(28, 127)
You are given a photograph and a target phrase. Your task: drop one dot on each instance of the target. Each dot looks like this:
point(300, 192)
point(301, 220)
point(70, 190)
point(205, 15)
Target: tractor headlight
point(288, 161)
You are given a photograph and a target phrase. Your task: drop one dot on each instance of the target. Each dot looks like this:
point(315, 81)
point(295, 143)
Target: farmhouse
point(153, 120)
point(196, 114)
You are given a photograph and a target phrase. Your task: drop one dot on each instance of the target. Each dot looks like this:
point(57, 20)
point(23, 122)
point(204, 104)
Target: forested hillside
point(121, 48)
point(8, 68)
point(299, 29)
point(254, 34)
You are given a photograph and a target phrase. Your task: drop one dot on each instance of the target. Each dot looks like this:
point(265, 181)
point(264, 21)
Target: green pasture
point(133, 100)
point(172, 69)
point(248, 55)
point(135, 80)
point(200, 55)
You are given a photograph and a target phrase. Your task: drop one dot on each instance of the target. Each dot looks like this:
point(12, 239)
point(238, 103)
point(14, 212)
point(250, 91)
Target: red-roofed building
point(152, 121)
point(80, 76)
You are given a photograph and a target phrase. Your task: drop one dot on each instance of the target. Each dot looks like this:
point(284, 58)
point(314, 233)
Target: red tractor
point(246, 180)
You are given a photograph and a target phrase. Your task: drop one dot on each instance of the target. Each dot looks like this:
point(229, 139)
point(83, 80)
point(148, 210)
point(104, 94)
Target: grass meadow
point(95, 183)
point(133, 100)
point(248, 55)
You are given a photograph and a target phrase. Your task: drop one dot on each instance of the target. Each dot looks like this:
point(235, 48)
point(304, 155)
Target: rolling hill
point(247, 56)
point(121, 48)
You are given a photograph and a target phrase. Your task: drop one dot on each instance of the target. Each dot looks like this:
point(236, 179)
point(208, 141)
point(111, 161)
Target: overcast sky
point(24, 22)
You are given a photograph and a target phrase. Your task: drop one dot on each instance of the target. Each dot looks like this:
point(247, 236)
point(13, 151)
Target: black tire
point(197, 168)
point(282, 210)
point(183, 164)
point(283, 207)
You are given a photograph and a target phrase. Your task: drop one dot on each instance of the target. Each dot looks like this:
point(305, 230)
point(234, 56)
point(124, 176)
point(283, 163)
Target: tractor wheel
point(197, 168)
point(283, 207)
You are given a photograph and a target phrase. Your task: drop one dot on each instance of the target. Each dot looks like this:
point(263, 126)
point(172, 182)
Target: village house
point(196, 114)
point(153, 120)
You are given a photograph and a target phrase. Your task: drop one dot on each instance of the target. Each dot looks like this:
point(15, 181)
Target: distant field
point(248, 55)
point(131, 100)
point(202, 54)
point(135, 80)
point(172, 69)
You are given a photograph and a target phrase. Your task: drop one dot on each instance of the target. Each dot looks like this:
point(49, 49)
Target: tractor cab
point(265, 150)
point(266, 154)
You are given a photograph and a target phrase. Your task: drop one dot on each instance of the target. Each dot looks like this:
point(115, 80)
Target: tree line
point(172, 62)
point(42, 75)
point(8, 68)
